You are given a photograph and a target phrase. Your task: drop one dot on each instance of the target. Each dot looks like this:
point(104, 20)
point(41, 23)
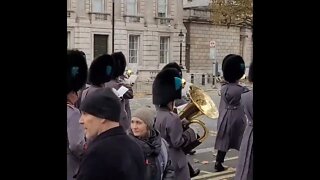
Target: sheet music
point(122, 90)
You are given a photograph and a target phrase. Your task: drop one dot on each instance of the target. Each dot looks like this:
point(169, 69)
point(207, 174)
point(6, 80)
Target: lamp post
point(181, 37)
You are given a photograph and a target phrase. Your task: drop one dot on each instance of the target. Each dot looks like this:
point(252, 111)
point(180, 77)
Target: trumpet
point(128, 73)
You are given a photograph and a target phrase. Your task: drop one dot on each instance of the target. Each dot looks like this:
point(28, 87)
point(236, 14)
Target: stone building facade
point(200, 31)
point(147, 32)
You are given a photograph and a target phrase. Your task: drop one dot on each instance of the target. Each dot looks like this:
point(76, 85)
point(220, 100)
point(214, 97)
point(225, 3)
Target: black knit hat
point(77, 70)
point(173, 65)
point(101, 70)
point(166, 87)
point(120, 64)
point(233, 68)
point(102, 103)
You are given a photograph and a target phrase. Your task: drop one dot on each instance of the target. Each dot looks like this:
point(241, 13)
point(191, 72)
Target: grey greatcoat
point(76, 141)
point(231, 121)
point(124, 119)
point(245, 164)
point(170, 127)
point(127, 96)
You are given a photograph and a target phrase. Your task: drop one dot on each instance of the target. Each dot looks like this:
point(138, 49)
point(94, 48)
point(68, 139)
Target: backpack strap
point(163, 156)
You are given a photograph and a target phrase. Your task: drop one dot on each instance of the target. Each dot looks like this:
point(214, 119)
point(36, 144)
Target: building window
point(164, 49)
point(98, 6)
point(132, 7)
point(68, 40)
point(133, 48)
point(162, 8)
point(100, 43)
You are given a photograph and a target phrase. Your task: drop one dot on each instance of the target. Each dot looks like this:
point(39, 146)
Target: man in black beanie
point(110, 151)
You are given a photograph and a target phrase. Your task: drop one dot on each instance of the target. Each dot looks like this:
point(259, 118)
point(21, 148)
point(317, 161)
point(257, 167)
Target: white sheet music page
point(122, 90)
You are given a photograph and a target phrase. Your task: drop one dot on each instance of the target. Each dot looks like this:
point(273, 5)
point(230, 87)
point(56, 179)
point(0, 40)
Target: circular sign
point(212, 44)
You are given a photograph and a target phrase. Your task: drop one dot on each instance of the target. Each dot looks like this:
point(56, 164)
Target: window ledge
point(132, 18)
point(163, 20)
point(98, 16)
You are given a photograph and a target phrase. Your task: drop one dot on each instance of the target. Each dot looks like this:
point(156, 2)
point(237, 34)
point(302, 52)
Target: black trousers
point(220, 156)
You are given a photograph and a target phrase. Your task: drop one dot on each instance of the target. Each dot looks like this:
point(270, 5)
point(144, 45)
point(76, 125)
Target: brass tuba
point(201, 104)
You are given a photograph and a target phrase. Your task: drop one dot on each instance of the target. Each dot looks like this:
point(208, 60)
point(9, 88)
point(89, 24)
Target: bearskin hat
point(173, 65)
point(77, 70)
point(166, 87)
point(120, 64)
point(101, 70)
point(233, 68)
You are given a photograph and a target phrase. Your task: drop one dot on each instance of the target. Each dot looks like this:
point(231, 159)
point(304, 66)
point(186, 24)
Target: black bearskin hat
point(120, 64)
point(77, 70)
point(233, 68)
point(101, 70)
point(166, 87)
point(173, 65)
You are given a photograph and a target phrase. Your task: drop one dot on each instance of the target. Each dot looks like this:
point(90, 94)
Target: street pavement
point(204, 158)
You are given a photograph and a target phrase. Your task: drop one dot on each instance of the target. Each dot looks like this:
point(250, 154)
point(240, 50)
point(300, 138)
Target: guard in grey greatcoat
point(179, 102)
point(122, 63)
point(245, 164)
point(165, 89)
point(76, 78)
point(119, 66)
point(100, 71)
point(231, 121)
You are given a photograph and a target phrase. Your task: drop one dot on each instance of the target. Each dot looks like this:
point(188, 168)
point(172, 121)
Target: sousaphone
point(201, 104)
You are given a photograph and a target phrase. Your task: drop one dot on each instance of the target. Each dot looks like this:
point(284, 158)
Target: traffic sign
point(212, 44)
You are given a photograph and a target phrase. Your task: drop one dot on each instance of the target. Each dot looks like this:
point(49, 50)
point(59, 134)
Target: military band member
point(165, 89)
point(231, 120)
point(245, 164)
point(100, 72)
point(118, 81)
point(179, 102)
point(76, 78)
point(115, 84)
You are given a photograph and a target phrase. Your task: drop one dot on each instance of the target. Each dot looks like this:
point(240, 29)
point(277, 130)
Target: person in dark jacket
point(155, 148)
point(111, 153)
point(231, 120)
point(76, 77)
point(245, 164)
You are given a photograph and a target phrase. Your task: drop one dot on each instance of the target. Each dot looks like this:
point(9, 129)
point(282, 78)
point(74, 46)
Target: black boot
point(193, 172)
point(219, 160)
point(218, 166)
